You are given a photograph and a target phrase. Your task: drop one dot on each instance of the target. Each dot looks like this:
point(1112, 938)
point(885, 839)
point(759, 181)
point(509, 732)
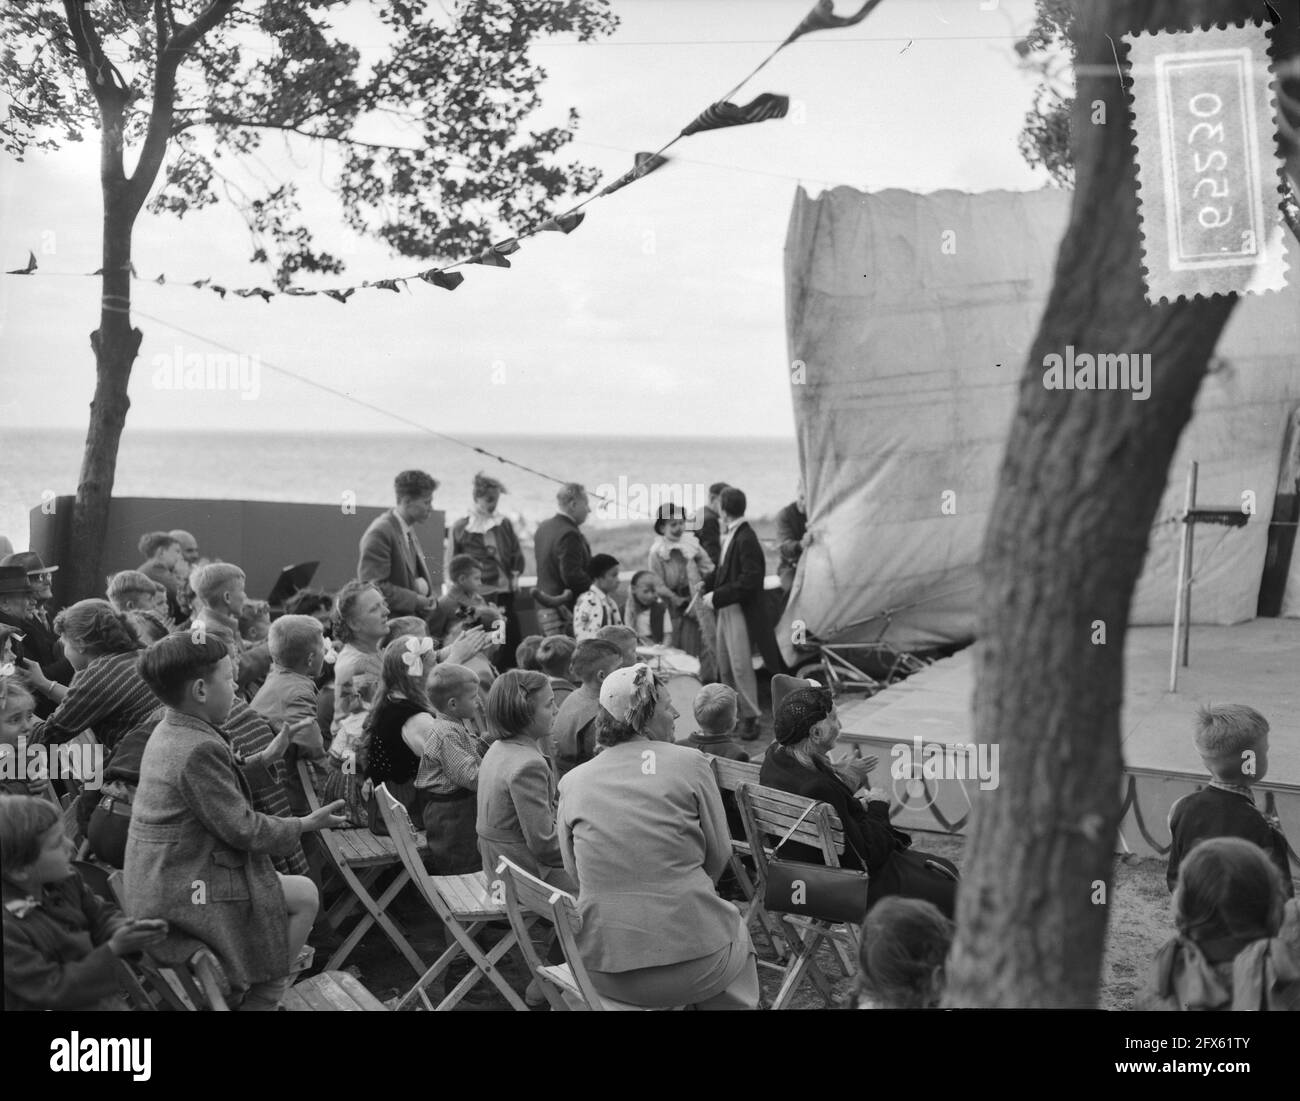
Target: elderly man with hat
point(24, 582)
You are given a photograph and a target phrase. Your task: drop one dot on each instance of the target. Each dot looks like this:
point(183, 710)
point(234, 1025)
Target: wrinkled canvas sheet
point(909, 319)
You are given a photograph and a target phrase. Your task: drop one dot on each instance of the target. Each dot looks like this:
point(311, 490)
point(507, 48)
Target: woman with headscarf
point(643, 832)
point(806, 729)
point(680, 566)
point(489, 538)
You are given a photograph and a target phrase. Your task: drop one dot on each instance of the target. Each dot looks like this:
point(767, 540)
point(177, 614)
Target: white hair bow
point(416, 648)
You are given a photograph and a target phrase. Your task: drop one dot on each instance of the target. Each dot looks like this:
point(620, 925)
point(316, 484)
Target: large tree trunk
point(115, 344)
point(1083, 475)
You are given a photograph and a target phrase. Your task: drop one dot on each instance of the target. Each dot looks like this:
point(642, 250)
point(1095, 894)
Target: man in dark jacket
point(736, 595)
point(391, 555)
point(563, 558)
point(38, 643)
point(791, 527)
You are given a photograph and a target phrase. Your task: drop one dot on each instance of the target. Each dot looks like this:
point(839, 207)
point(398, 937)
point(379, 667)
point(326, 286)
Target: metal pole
point(1180, 591)
point(1191, 569)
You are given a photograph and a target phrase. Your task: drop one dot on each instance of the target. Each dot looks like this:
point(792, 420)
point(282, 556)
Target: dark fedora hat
point(668, 512)
point(29, 560)
point(13, 581)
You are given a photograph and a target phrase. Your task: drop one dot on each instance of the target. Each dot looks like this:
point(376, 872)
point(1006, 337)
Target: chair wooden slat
point(356, 850)
point(768, 818)
point(459, 917)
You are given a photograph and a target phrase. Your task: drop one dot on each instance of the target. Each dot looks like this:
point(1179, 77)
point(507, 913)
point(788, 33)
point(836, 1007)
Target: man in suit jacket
point(736, 595)
point(391, 555)
point(563, 555)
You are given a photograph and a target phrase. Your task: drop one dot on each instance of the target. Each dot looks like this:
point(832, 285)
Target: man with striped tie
point(391, 555)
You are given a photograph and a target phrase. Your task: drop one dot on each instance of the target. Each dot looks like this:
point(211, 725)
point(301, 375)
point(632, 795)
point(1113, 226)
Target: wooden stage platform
point(1256, 663)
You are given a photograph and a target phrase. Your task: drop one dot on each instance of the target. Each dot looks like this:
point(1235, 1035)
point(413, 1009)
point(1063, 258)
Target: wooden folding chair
point(566, 985)
point(463, 903)
point(359, 856)
point(771, 815)
point(730, 774)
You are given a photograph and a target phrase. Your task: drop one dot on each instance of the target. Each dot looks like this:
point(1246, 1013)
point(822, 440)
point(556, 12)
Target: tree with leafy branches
point(188, 86)
point(1081, 480)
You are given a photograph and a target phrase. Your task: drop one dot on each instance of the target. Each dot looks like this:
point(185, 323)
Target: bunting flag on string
point(562, 223)
point(645, 164)
point(447, 280)
point(495, 257)
point(823, 18)
point(720, 115)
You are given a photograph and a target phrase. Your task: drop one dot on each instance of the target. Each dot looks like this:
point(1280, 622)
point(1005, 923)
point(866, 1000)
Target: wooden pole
point(1184, 567)
point(1191, 558)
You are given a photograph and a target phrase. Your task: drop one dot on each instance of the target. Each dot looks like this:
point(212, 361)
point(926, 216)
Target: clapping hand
point(857, 770)
point(287, 734)
point(471, 642)
point(328, 817)
point(136, 934)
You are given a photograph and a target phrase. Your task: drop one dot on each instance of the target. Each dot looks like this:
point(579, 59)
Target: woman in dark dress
point(807, 727)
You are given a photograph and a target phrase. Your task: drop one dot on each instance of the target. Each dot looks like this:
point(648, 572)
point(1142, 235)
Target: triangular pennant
point(31, 266)
point(298, 292)
point(248, 292)
point(563, 223)
point(720, 115)
point(161, 280)
point(219, 290)
point(645, 164)
point(98, 271)
point(492, 259)
point(341, 296)
point(447, 280)
point(134, 274)
point(385, 285)
point(823, 18)
point(200, 283)
point(507, 247)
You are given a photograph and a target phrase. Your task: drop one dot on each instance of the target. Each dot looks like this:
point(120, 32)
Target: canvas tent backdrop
point(908, 318)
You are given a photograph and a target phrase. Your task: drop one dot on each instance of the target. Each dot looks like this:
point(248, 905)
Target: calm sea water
point(319, 468)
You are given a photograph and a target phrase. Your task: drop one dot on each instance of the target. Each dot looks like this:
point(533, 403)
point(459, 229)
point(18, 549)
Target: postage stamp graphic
point(1209, 165)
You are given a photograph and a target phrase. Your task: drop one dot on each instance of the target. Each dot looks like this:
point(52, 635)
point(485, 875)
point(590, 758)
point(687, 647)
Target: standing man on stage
point(391, 555)
point(563, 560)
point(708, 530)
point(735, 593)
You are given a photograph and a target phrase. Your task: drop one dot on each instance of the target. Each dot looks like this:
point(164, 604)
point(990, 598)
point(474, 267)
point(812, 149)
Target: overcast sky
point(663, 313)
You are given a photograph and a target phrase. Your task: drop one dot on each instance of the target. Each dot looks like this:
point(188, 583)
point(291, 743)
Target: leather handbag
point(814, 890)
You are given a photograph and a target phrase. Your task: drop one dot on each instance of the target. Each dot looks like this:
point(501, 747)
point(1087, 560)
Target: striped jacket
point(108, 696)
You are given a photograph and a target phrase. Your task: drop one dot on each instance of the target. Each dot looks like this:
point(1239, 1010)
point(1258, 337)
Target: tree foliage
point(425, 111)
point(1048, 49)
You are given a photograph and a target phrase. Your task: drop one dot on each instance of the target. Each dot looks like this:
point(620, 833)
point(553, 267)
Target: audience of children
point(596, 608)
point(573, 734)
point(195, 791)
point(1232, 740)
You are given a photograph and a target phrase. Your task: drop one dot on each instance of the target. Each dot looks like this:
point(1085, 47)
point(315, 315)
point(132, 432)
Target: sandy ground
point(1141, 922)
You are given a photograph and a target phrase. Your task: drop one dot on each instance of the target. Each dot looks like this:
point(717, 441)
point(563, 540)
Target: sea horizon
point(315, 465)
